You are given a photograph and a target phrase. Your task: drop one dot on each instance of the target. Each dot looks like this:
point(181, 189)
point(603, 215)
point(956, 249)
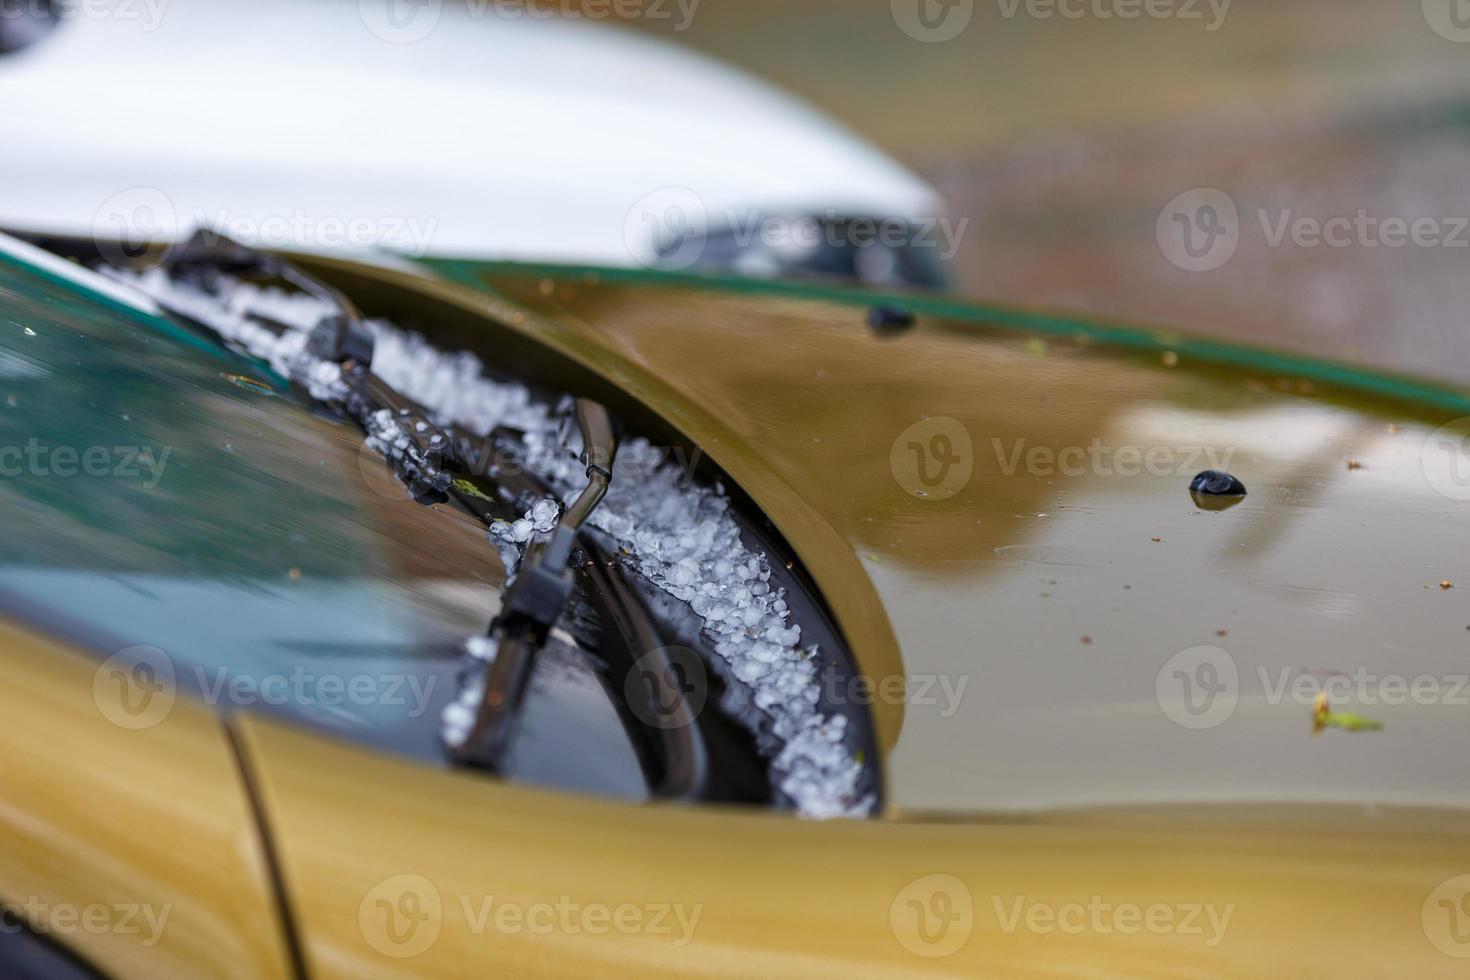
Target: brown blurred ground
point(1062, 139)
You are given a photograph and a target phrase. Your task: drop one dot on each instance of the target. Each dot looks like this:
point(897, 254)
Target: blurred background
point(1062, 130)
point(1294, 173)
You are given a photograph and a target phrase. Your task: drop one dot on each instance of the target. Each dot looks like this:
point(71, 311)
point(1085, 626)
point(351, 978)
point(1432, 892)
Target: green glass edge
point(1385, 384)
point(156, 322)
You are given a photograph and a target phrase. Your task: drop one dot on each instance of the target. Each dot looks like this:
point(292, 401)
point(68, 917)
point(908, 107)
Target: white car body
point(446, 129)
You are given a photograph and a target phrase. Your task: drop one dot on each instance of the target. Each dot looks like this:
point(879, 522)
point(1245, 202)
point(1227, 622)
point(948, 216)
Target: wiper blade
point(438, 462)
point(422, 453)
point(533, 603)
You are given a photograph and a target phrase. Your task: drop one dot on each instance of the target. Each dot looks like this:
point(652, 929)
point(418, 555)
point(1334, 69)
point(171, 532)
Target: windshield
point(160, 490)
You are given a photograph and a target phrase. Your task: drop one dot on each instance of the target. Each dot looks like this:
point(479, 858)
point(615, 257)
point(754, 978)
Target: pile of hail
point(680, 534)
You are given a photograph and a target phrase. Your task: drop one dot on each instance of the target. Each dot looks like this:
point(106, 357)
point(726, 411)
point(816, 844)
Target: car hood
point(1073, 627)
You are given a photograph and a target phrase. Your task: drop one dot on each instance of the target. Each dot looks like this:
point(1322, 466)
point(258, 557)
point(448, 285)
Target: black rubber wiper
point(689, 748)
point(341, 337)
point(437, 463)
point(534, 602)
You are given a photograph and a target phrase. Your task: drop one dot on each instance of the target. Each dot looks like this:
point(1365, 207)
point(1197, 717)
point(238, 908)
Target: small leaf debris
point(1324, 717)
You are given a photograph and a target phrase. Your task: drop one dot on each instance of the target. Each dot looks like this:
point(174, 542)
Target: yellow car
point(470, 619)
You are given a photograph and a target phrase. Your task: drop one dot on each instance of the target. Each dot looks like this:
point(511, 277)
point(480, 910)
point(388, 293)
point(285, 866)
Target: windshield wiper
point(534, 601)
point(438, 462)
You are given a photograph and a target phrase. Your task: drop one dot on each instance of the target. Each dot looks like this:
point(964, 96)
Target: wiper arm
point(438, 462)
point(533, 603)
point(424, 455)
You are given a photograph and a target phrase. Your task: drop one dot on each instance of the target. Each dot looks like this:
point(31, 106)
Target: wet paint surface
point(1073, 627)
